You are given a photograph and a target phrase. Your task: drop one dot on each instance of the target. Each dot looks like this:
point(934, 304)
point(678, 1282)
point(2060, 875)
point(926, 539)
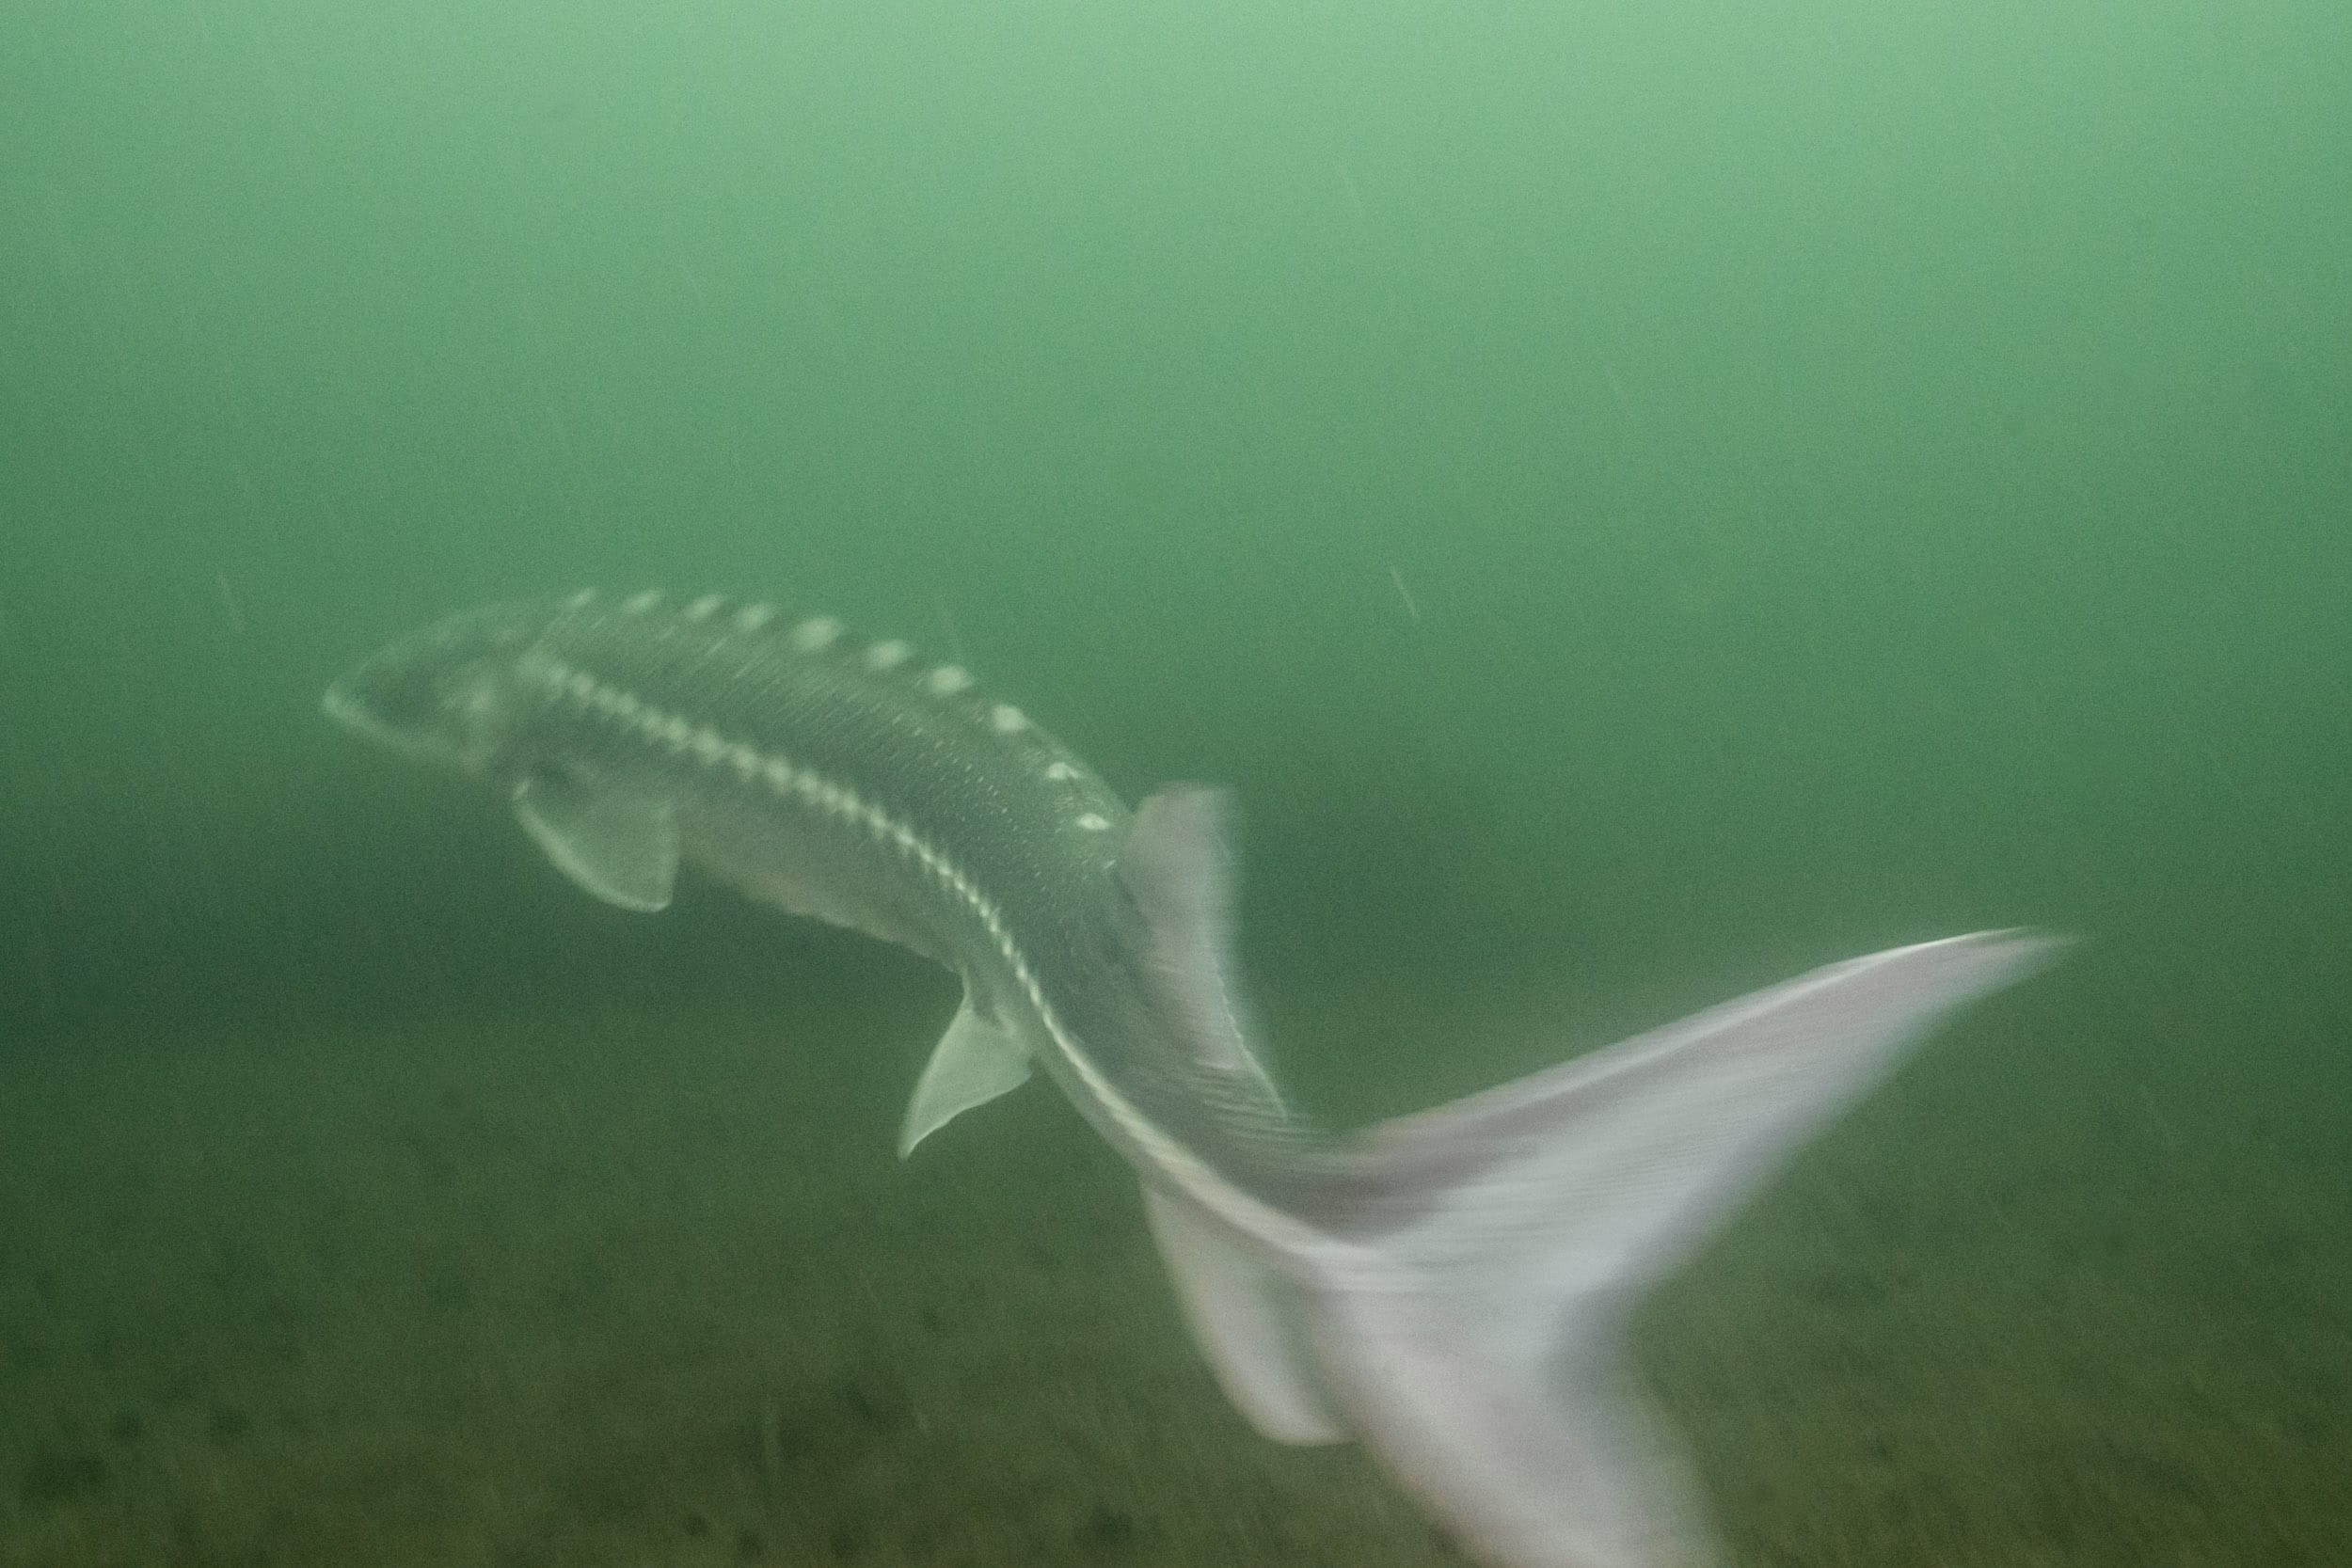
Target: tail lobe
point(1479, 1358)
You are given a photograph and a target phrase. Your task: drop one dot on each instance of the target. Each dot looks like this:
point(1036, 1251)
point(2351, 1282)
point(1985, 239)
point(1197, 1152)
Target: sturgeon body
point(1447, 1288)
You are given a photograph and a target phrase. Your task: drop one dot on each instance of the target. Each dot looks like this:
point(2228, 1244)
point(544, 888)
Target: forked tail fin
point(1479, 1357)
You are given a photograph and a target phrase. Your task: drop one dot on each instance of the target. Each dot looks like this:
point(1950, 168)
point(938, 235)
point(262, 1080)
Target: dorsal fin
point(1177, 865)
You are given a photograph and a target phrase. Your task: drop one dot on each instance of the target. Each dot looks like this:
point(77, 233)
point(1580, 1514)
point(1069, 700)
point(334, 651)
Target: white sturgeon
point(1449, 1288)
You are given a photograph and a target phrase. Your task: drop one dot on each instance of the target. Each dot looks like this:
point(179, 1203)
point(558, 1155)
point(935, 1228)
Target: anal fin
point(1247, 1325)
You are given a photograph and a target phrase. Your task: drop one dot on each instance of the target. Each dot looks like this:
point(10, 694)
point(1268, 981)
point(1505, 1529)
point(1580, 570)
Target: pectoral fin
point(975, 1062)
point(621, 847)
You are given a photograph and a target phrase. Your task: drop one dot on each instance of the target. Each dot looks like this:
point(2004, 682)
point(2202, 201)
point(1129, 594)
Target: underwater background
point(1638, 499)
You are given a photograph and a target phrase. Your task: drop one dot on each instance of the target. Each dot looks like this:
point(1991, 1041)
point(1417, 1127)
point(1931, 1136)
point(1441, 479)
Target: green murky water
point(1638, 499)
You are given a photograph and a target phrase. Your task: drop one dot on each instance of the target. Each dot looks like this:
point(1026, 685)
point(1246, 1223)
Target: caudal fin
point(1479, 1358)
